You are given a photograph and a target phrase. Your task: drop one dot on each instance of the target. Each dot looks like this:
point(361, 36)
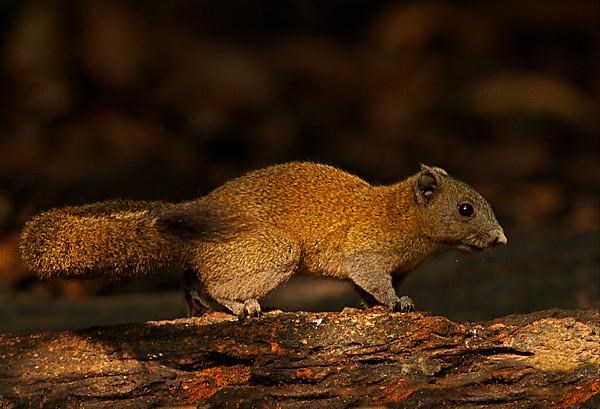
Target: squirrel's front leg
point(364, 272)
point(406, 303)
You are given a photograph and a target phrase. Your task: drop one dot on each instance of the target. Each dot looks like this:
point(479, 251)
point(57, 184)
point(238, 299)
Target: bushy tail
point(114, 239)
point(121, 238)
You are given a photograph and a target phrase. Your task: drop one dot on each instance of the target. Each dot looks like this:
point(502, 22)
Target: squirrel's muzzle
point(498, 238)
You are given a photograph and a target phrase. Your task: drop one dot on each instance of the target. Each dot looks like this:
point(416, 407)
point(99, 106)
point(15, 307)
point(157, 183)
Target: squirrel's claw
point(251, 308)
point(404, 304)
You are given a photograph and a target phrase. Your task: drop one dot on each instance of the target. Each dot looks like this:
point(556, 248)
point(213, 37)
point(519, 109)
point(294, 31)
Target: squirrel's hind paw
point(251, 308)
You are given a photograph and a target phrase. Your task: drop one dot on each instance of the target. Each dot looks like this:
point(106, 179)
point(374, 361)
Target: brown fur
point(253, 233)
point(116, 238)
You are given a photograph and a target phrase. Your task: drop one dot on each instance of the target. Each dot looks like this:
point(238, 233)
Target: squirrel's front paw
point(404, 304)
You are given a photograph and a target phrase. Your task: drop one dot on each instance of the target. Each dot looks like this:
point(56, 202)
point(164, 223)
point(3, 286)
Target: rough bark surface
point(373, 358)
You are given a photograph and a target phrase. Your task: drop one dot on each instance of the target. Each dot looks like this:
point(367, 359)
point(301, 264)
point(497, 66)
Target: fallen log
point(373, 358)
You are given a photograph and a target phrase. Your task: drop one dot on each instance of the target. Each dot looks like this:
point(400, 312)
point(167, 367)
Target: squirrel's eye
point(466, 209)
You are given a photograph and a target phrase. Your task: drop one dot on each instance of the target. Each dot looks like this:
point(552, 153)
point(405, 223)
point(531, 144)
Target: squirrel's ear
point(433, 169)
point(427, 183)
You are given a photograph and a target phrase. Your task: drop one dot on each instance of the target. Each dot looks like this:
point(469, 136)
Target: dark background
point(164, 100)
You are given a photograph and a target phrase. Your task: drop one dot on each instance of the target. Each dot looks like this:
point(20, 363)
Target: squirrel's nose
point(499, 238)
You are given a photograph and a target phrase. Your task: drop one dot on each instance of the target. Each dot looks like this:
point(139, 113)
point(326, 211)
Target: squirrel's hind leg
point(196, 299)
point(240, 271)
point(248, 308)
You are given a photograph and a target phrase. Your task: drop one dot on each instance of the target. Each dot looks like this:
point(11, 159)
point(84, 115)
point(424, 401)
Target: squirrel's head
point(455, 214)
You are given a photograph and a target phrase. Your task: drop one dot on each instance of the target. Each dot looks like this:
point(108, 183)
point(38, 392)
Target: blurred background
point(160, 100)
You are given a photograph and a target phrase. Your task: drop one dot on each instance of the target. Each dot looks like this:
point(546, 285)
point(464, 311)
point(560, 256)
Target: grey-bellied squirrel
point(253, 233)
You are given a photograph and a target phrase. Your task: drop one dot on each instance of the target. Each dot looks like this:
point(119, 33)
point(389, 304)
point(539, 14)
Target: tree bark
point(373, 358)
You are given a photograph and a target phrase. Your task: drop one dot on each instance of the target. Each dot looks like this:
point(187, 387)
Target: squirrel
point(253, 233)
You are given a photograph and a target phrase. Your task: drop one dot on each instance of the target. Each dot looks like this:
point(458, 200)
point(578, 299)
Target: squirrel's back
point(300, 197)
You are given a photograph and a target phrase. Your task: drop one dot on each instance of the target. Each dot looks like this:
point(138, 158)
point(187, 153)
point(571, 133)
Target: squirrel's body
point(253, 233)
point(327, 213)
